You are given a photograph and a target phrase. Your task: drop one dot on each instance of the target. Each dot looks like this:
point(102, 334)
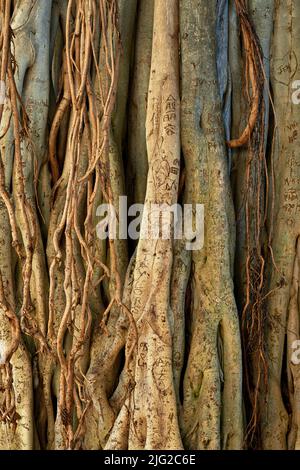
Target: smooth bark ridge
point(146, 344)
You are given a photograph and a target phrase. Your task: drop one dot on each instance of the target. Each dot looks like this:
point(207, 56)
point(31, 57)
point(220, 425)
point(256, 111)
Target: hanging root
point(252, 196)
point(254, 73)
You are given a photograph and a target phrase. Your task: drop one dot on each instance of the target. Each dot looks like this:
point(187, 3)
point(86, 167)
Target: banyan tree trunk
point(113, 341)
